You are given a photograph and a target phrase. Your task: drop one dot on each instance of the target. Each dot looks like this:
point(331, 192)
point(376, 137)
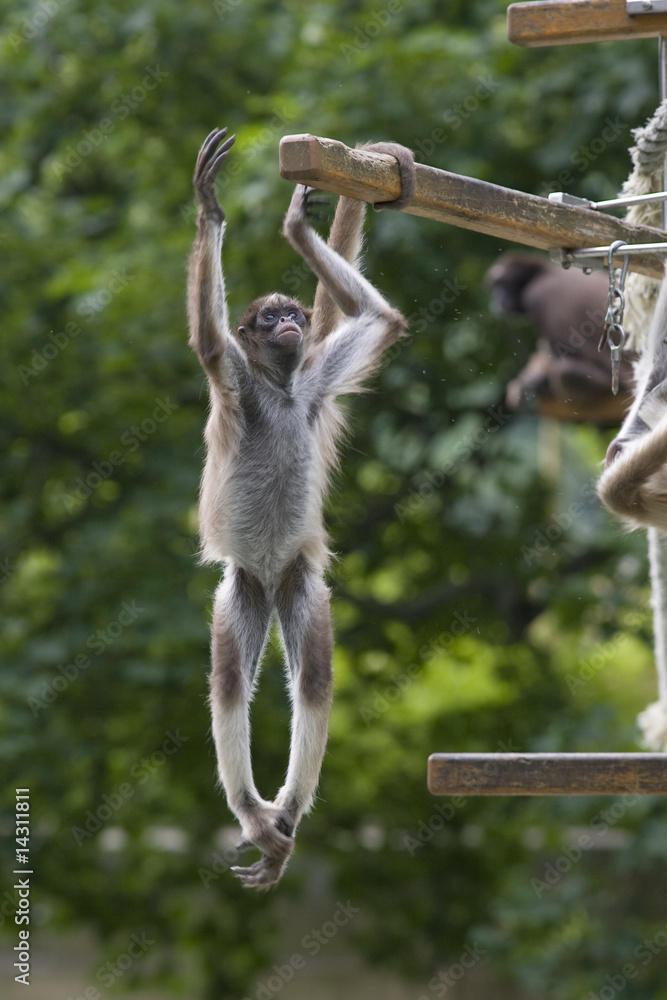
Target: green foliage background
point(472, 614)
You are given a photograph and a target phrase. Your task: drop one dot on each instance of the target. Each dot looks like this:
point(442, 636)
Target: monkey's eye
point(292, 314)
point(269, 315)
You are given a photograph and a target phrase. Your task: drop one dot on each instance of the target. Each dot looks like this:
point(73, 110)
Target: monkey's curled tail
point(648, 157)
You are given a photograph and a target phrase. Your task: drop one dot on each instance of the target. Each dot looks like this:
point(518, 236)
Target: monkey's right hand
point(210, 159)
point(301, 210)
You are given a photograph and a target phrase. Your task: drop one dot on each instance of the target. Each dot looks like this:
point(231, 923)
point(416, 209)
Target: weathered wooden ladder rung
point(569, 22)
point(462, 201)
point(547, 774)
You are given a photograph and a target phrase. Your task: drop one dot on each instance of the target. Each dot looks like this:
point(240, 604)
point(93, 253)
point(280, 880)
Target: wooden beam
point(461, 201)
point(606, 411)
point(547, 774)
point(567, 22)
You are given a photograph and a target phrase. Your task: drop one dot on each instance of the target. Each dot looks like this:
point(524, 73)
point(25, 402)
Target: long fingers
point(211, 157)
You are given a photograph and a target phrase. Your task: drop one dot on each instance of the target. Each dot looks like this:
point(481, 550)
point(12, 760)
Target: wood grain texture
point(547, 774)
point(609, 410)
point(568, 22)
point(461, 201)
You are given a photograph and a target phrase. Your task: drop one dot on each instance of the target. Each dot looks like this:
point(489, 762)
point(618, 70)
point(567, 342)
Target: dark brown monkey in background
point(271, 440)
point(567, 309)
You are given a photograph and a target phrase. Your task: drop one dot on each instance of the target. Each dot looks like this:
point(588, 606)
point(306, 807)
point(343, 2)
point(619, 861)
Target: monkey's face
point(282, 327)
point(508, 279)
point(272, 331)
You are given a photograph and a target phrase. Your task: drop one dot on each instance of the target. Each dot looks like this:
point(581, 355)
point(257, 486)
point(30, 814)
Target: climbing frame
point(535, 222)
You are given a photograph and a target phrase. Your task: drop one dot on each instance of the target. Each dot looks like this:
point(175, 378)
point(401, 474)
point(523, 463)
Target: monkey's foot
point(272, 831)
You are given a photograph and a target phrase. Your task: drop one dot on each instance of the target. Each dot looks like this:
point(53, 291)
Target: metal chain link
point(614, 317)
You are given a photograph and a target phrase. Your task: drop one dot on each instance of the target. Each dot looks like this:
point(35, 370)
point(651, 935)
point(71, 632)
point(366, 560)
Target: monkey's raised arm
point(350, 291)
point(349, 355)
point(346, 233)
point(345, 238)
point(207, 302)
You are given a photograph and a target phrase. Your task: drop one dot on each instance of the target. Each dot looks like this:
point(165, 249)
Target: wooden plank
point(547, 774)
point(567, 22)
point(609, 410)
point(461, 201)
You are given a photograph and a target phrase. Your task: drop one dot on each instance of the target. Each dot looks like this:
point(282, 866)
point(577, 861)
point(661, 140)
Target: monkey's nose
point(612, 451)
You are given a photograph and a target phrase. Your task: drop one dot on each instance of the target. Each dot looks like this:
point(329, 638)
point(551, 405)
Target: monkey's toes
point(276, 842)
point(263, 874)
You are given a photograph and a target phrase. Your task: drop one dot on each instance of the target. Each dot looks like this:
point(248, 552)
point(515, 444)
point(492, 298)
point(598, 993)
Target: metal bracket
point(634, 7)
point(561, 198)
point(566, 259)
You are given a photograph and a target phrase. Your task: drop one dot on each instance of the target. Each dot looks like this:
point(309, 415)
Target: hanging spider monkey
point(271, 442)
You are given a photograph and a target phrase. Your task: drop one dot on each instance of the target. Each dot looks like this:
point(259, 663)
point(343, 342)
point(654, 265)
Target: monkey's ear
point(308, 313)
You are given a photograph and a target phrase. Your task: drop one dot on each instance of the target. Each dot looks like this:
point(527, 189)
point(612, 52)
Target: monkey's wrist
point(211, 212)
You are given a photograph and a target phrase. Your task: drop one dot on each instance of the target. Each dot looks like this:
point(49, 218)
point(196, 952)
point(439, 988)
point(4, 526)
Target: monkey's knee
point(316, 673)
point(226, 678)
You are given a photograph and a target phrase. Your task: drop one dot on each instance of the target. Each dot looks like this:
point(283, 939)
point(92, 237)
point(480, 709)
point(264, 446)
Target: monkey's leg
point(305, 620)
point(240, 623)
point(302, 604)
